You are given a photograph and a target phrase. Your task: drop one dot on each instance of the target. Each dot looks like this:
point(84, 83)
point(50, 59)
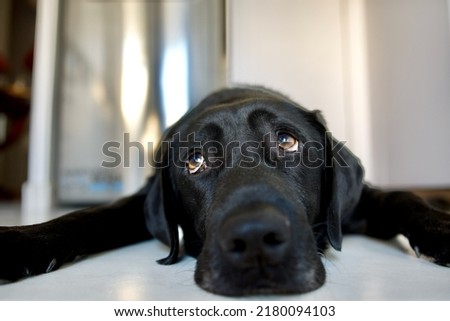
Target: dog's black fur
point(258, 187)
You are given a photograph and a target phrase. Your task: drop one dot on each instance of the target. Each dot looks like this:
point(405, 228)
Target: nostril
point(238, 246)
point(273, 239)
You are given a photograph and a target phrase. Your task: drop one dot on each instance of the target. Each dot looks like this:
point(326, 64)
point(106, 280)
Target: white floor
point(366, 269)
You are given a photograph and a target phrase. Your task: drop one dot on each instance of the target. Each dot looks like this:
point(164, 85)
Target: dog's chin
point(275, 280)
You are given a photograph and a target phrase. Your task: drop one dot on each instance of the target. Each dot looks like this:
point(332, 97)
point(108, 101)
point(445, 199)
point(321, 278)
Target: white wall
point(409, 63)
point(380, 71)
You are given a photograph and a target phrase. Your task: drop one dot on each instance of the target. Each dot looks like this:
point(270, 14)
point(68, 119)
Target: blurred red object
point(28, 60)
point(3, 64)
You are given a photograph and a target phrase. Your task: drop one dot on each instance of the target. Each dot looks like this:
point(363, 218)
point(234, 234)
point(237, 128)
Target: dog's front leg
point(385, 214)
point(41, 248)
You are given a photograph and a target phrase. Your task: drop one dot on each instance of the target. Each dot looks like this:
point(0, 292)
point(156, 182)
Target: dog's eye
point(196, 163)
point(287, 142)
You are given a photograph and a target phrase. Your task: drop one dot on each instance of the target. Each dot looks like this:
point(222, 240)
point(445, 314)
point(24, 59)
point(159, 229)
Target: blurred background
point(75, 74)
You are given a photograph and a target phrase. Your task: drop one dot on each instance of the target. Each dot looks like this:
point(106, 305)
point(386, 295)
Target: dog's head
point(258, 187)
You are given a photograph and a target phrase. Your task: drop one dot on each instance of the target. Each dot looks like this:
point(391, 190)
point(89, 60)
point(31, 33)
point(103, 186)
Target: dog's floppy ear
point(342, 183)
point(160, 218)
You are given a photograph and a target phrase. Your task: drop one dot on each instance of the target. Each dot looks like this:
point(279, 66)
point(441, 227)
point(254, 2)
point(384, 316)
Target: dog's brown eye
point(287, 142)
point(196, 163)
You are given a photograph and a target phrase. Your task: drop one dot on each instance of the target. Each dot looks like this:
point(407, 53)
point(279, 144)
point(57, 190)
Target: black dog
point(258, 187)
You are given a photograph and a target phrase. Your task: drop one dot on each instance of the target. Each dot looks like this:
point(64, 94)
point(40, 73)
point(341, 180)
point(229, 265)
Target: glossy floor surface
point(366, 269)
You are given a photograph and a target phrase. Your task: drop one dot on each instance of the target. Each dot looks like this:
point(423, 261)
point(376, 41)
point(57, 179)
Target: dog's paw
point(24, 252)
point(430, 237)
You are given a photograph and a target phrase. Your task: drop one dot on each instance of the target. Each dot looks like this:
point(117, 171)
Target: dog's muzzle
point(259, 243)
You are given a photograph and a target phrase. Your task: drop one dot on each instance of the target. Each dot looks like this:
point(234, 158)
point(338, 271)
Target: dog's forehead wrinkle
point(236, 114)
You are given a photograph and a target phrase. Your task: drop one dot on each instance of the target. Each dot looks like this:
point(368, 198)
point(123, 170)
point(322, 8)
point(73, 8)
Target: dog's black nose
point(256, 237)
